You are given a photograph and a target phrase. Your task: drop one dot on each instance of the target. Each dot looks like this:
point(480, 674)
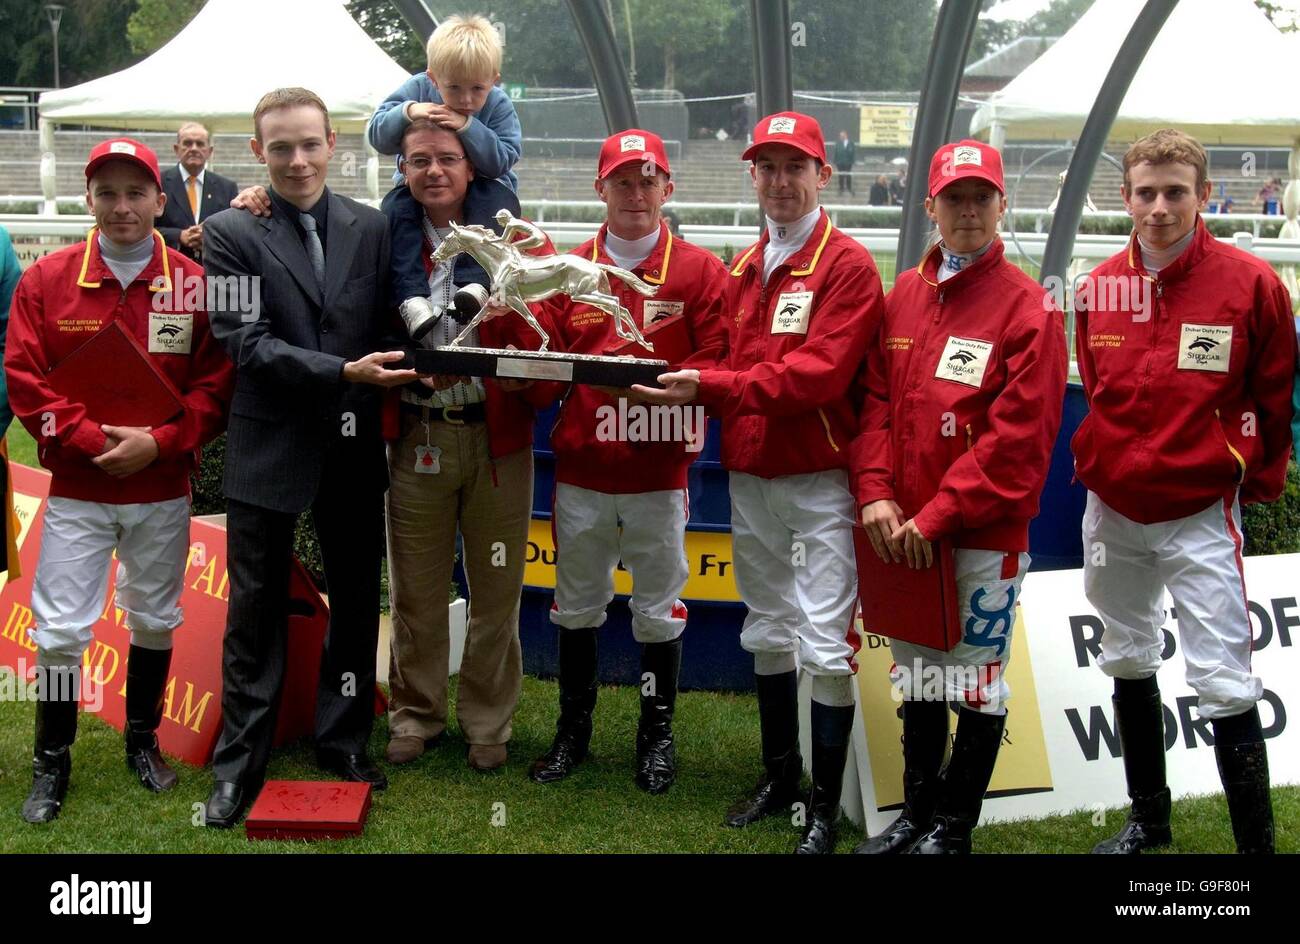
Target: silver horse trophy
point(518, 278)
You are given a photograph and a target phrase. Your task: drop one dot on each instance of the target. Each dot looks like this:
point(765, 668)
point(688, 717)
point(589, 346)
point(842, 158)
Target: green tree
point(864, 47)
point(385, 25)
point(155, 22)
point(1056, 20)
point(686, 44)
point(91, 41)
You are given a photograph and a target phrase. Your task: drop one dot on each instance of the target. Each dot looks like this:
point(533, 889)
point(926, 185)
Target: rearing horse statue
point(518, 279)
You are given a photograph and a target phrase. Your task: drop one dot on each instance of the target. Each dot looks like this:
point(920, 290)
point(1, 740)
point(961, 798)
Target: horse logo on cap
point(781, 126)
point(967, 155)
point(631, 142)
point(121, 147)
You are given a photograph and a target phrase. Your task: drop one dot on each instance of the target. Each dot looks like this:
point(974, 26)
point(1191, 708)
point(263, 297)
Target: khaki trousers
point(490, 504)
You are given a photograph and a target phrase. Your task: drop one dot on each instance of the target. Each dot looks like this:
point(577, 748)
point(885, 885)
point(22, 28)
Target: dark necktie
point(315, 252)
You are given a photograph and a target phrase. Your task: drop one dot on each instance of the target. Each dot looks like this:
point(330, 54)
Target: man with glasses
point(460, 460)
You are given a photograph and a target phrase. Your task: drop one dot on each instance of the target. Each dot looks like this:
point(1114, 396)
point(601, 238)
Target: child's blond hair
point(465, 47)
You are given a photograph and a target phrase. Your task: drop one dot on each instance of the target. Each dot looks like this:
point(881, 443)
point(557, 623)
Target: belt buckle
point(447, 417)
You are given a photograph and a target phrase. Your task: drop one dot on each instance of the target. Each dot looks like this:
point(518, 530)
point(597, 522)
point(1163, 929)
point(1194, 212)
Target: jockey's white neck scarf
point(954, 262)
point(630, 253)
point(785, 239)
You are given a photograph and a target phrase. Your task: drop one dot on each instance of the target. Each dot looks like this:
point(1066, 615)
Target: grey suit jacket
point(292, 414)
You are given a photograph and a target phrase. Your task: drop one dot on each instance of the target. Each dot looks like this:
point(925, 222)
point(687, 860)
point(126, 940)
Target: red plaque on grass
point(309, 809)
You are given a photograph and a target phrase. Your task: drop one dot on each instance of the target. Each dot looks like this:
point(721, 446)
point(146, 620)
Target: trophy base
point(539, 365)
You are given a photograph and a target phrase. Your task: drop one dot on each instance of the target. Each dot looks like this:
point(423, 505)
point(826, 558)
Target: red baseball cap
point(124, 149)
point(965, 159)
point(789, 127)
point(632, 146)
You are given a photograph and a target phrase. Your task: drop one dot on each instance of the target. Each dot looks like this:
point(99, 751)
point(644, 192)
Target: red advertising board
point(192, 705)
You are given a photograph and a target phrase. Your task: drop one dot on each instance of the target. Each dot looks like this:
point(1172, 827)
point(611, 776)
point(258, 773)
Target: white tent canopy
point(1183, 81)
point(227, 57)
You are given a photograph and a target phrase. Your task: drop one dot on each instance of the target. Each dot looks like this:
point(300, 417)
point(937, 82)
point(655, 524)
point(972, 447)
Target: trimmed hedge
point(1275, 528)
point(208, 500)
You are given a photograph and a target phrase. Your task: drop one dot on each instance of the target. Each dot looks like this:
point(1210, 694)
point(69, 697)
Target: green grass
point(438, 804)
point(22, 448)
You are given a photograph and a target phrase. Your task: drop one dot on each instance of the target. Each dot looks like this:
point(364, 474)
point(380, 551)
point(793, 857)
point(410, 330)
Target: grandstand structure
point(705, 171)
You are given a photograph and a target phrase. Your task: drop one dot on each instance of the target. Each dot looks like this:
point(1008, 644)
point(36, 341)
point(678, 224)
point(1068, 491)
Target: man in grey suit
point(194, 192)
point(305, 320)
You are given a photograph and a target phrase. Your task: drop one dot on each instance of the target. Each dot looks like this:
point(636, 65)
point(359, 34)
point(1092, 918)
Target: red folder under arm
point(918, 606)
point(117, 381)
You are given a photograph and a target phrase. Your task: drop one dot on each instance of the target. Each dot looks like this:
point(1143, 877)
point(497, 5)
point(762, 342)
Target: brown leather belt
point(457, 415)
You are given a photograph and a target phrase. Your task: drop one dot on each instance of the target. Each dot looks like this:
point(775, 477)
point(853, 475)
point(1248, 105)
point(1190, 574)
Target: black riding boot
point(925, 738)
point(1243, 768)
point(778, 719)
point(831, 729)
point(577, 701)
point(656, 758)
point(965, 780)
point(146, 681)
point(56, 729)
point(1140, 718)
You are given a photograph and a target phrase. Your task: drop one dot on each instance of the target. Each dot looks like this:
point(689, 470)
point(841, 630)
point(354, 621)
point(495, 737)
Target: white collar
point(635, 251)
point(185, 175)
point(792, 235)
point(966, 257)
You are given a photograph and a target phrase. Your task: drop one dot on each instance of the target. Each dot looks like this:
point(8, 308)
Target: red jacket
point(60, 302)
point(785, 385)
point(1190, 397)
point(690, 281)
point(964, 394)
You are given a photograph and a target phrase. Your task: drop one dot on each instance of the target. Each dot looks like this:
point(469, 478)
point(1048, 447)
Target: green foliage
point(155, 22)
point(1056, 20)
point(699, 47)
point(90, 41)
point(383, 24)
point(854, 45)
point(209, 500)
point(1275, 528)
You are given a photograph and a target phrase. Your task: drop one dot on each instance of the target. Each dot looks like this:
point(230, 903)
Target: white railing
point(1040, 216)
point(885, 241)
point(710, 236)
point(541, 207)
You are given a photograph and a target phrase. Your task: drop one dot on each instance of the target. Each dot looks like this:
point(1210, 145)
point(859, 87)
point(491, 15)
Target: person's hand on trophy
point(443, 381)
point(680, 387)
point(372, 369)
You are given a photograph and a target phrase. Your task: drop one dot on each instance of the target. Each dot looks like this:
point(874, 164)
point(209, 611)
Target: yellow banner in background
point(708, 557)
point(886, 125)
point(1022, 762)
